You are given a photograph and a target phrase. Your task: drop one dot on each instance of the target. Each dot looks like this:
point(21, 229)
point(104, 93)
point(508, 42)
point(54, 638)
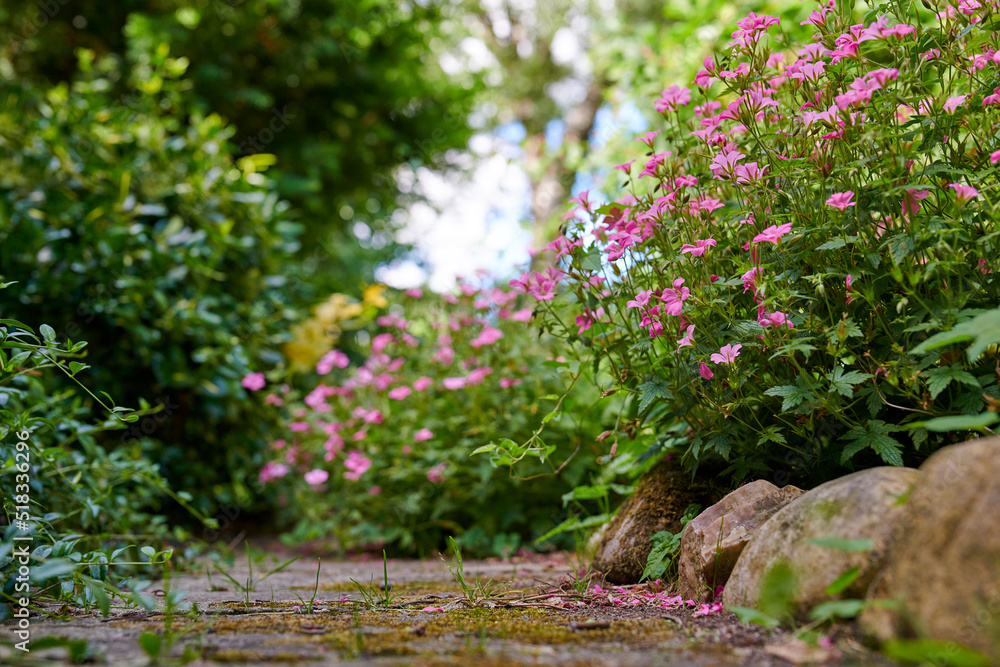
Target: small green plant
point(475, 591)
point(308, 606)
point(662, 560)
point(158, 646)
point(376, 596)
point(251, 584)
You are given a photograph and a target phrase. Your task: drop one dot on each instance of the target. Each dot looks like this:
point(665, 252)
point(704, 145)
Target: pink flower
point(380, 342)
point(272, 470)
point(912, 199)
point(254, 381)
point(711, 608)
point(359, 436)
point(423, 434)
point(994, 157)
point(705, 371)
point(487, 336)
point(673, 97)
point(841, 200)
point(298, 427)
point(374, 417)
point(675, 297)
point(727, 354)
point(688, 338)
point(399, 393)
point(964, 192)
point(952, 103)
point(432, 609)
point(375, 490)
point(356, 464)
point(641, 299)
point(436, 474)
point(453, 383)
point(775, 319)
point(316, 476)
point(848, 281)
point(697, 250)
point(414, 293)
point(773, 233)
point(523, 315)
point(331, 359)
point(422, 383)
point(507, 383)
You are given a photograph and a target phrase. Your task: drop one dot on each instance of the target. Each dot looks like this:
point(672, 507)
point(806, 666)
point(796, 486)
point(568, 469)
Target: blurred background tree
point(341, 92)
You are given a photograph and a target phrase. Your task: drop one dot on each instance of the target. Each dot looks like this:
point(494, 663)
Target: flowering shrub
point(378, 449)
point(804, 218)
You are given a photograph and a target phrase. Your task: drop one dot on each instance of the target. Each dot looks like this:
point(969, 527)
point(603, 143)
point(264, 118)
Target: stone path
point(272, 624)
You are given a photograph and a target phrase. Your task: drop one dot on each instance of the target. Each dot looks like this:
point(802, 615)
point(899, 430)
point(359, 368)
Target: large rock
point(945, 566)
point(658, 504)
point(714, 540)
point(861, 506)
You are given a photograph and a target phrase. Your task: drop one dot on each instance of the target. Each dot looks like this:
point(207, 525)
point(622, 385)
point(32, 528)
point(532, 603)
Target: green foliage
point(126, 223)
point(768, 280)
point(662, 559)
point(398, 443)
point(933, 651)
point(60, 487)
point(340, 92)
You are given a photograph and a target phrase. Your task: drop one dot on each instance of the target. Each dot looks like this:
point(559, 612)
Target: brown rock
point(657, 504)
point(713, 541)
point(945, 567)
point(861, 506)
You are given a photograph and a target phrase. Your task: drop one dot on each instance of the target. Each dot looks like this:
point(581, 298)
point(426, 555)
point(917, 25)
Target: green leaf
point(75, 367)
point(838, 242)
point(482, 450)
point(841, 583)
point(149, 551)
point(651, 391)
point(150, 644)
point(52, 569)
point(777, 591)
point(794, 395)
point(958, 423)
point(592, 260)
point(771, 434)
point(873, 435)
point(843, 544)
point(48, 333)
point(983, 330)
point(748, 615)
point(843, 383)
point(933, 651)
point(827, 611)
point(938, 379)
point(574, 523)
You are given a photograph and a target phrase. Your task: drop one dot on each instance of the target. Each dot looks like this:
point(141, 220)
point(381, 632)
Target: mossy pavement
point(274, 627)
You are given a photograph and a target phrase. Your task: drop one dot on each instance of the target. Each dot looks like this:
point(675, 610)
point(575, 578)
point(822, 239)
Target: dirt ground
point(528, 611)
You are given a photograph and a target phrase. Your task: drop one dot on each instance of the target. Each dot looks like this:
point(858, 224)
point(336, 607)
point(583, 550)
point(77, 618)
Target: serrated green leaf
point(873, 435)
point(651, 391)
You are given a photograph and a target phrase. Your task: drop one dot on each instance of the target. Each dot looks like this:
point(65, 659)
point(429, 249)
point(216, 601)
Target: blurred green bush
point(341, 91)
point(125, 222)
